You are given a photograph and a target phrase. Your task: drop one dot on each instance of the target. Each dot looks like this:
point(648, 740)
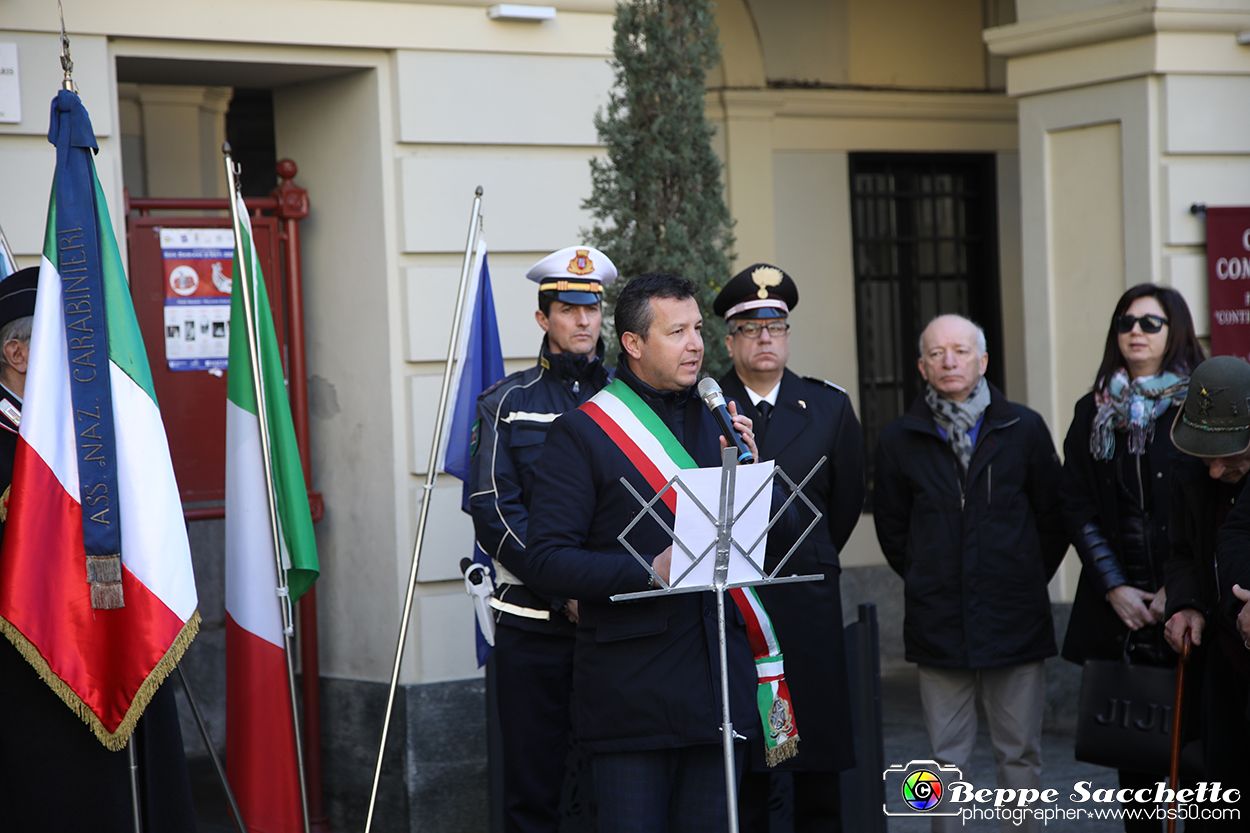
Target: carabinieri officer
point(797, 421)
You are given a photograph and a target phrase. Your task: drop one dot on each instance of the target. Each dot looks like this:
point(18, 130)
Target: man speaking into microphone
point(646, 674)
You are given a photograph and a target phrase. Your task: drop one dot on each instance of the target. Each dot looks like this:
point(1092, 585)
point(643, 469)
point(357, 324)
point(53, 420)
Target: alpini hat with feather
point(758, 291)
point(1215, 419)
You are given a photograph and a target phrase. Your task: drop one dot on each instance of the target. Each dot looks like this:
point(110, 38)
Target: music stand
point(724, 518)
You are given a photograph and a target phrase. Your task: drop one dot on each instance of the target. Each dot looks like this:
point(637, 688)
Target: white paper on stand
point(698, 533)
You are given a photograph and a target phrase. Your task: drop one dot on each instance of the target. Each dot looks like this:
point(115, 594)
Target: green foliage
point(658, 200)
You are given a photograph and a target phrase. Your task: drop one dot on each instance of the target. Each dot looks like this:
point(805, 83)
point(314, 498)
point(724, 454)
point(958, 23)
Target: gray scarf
point(957, 419)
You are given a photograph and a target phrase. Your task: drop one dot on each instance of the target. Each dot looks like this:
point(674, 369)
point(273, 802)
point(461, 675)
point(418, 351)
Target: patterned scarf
point(1132, 407)
point(958, 419)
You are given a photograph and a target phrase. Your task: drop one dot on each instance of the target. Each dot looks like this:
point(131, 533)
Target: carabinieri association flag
point(96, 588)
point(260, 733)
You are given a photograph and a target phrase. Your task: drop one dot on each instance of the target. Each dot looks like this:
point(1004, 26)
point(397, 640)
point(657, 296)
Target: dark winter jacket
point(975, 550)
point(1091, 496)
point(1197, 503)
point(646, 672)
point(513, 417)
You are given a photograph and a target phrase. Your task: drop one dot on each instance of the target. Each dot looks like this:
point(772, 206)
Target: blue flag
point(479, 364)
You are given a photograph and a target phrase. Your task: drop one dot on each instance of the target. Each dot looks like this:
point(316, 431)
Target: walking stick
point(1174, 772)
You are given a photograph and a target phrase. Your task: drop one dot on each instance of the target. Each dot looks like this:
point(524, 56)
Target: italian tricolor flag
point(104, 662)
point(260, 734)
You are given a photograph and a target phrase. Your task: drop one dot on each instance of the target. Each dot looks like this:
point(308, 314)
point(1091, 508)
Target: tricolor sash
point(652, 448)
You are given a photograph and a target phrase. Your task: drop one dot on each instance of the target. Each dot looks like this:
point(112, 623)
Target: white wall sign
point(10, 86)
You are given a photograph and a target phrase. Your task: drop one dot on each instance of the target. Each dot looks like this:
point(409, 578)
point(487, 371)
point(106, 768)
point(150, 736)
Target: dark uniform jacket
point(10, 422)
point(1232, 557)
point(513, 417)
point(1090, 495)
point(646, 673)
point(975, 551)
point(812, 419)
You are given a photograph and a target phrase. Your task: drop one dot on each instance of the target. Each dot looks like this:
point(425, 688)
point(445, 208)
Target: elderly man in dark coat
point(967, 510)
point(797, 421)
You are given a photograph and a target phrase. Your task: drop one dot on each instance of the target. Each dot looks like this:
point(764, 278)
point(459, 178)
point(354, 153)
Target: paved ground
point(904, 741)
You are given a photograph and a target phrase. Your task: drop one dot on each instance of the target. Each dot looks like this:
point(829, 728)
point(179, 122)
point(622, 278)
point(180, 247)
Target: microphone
point(710, 393)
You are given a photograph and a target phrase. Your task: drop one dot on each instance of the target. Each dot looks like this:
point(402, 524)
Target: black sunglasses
point(1149, 323)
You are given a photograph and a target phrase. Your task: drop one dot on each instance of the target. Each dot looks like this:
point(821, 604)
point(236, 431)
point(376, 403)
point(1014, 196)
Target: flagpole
point(247, 284)
point(8, 263)
point(430, 474)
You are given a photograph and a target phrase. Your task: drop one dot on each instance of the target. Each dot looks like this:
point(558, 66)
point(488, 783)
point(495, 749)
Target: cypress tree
point(657, 200)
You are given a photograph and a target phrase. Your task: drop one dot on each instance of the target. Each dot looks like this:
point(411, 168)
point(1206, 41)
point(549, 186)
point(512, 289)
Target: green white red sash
point(651, 447)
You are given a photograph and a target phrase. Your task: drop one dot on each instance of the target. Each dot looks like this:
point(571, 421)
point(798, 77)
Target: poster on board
point(197, 264)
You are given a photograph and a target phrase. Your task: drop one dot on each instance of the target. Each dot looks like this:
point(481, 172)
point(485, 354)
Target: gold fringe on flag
point(113, 741)
point(782, 751)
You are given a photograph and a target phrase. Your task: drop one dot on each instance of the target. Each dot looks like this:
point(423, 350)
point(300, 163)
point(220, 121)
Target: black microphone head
point(710, 393)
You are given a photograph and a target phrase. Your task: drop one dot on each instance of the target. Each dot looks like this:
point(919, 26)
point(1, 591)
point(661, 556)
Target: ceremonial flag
point(479, 364)
point(96, 588)
point(260, 730)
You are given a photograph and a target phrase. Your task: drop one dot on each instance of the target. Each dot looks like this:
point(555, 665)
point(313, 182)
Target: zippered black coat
point(1090, 495)
point(975, 550)
point(646, 673)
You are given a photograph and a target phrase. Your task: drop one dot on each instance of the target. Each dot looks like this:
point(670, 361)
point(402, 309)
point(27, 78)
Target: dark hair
point(1181, 354)
point(545, 300)
point(633, 305)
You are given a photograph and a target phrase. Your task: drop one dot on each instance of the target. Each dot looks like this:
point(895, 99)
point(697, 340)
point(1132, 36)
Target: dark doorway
point(925, 240)
point(249, 130)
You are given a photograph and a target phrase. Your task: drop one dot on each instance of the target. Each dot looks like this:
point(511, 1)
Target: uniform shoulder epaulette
point(826, 383)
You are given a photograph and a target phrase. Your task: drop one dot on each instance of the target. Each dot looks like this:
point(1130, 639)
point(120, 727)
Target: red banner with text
point(1228, 280)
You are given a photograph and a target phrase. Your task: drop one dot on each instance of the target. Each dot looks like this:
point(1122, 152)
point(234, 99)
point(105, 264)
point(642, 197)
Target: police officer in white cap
point(533, 657)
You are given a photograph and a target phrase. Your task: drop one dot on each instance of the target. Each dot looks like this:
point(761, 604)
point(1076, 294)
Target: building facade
point(1022, 162)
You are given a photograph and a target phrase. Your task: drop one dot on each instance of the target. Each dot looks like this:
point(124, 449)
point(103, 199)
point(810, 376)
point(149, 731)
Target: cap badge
point(581, 264)
point(764, 277)
point(1205, 402)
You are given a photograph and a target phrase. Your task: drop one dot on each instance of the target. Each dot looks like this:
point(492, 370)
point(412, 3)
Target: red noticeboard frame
point(193, 403)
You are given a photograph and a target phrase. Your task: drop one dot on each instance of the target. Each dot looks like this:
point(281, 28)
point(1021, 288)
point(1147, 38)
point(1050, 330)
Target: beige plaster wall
point(916, 43)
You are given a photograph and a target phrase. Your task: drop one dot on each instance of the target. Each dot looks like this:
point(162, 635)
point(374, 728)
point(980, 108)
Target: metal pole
point(8, 262)
point(724, 523)
point(236, 816)
point(134, 783)
point(248, 288)
point(430, 474)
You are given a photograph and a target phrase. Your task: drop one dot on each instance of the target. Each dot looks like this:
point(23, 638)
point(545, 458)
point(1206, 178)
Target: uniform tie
point(765, 408)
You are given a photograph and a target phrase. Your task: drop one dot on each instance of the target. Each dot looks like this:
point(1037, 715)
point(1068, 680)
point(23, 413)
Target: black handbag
point(1124, 719)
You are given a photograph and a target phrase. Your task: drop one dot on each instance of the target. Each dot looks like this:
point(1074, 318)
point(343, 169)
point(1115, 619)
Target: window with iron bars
point(925, 242)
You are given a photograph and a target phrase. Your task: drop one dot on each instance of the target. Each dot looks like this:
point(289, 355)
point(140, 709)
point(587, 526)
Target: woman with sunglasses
point(1117, 486)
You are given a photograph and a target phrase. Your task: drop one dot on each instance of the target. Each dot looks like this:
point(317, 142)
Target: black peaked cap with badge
point(577, 274)
point(1215, 420)
point(758, 291)
point(17, 294)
